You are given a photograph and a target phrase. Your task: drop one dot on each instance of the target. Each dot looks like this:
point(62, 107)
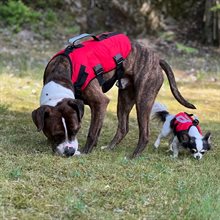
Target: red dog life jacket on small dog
point(92, 58)
point(183, 122)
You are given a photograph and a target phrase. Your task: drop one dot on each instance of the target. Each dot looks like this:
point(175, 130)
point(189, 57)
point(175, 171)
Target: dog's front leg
point(175, 147)
point(170, 142)
point(98, 103)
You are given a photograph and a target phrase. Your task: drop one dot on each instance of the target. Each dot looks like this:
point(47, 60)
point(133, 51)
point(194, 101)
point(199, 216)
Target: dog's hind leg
point(165, 131)
point(147, 89)
point(125, 104)
point(143, 116)
point(157, 142)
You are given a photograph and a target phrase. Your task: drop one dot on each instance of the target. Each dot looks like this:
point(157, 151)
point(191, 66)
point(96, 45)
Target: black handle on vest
point(73, 40)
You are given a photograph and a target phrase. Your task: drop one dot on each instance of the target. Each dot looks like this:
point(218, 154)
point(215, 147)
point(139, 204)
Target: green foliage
point(42, 4)
point(168, 35)
point(20, 14)
point(50, 16)
point(186, 49)
point(48, 24)
point(215, 8)
point(17, 15)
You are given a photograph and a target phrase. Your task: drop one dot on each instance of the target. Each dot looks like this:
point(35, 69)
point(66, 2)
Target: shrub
point(17, 15)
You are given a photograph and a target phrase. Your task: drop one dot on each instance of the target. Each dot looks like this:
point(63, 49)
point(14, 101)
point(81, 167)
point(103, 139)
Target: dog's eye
point(193, 150)
point(202, 152)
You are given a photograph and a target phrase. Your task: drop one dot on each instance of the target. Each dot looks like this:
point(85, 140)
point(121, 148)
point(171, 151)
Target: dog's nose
point(197, 157)
point(69, 151)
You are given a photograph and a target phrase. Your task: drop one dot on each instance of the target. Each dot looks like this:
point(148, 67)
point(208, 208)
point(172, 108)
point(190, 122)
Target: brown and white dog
point(60, 114)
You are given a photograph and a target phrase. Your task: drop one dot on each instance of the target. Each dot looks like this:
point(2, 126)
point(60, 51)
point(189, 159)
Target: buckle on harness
point(99, 73)
point(118, 59)
point(98, 69)
point(119, 69)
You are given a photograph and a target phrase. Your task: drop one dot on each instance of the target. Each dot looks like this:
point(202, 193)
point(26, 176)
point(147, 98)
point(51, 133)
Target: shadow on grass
point(18, 134)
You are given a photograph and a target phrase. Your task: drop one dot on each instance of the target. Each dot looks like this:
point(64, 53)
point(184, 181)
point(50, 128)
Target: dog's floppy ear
point(39, 115)
point(77, 105)
point(207, 138)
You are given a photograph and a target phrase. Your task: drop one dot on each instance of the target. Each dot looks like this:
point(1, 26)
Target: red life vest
point(183, 122)
point(94, 57)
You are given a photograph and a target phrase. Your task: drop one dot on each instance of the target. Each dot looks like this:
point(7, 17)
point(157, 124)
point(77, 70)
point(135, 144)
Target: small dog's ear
point(207, 138)
point(39, 115)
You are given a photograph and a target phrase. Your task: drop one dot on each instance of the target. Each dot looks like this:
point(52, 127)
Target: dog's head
point(60, 124)
point(198, 146)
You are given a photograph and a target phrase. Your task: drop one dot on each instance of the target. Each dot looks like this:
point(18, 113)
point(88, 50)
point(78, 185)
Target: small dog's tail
point(167, 69)
point(159, 111)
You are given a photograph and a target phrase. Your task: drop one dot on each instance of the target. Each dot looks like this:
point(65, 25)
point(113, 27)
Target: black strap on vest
point(119, 73)
point(99, 74)
point(80, 81)
point(119, 68)
point(195, 121)
point(69, 49)
point(109, 83)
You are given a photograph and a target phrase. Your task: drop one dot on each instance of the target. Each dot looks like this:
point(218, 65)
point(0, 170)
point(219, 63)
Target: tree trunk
point(212, 23)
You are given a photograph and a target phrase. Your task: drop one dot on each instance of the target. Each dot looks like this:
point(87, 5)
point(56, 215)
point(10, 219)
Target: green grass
point(35, 184)
point(186, 49)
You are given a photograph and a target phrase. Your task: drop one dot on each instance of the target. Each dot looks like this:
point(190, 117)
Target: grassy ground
point(35, 184)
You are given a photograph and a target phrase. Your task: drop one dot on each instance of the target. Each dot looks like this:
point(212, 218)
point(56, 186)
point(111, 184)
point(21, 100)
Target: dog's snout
point(69, 151)
point(197, 157)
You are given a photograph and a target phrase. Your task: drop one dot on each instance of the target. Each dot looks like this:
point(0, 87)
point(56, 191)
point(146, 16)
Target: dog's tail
point(159, 111)
point(167, 69)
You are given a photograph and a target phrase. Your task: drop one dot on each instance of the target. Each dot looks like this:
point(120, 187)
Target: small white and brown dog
point(184, 129)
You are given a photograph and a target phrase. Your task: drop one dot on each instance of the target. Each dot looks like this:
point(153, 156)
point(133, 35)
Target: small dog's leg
point(170, 143)
point(175, 147)
point(165, 131)
point(157, 142)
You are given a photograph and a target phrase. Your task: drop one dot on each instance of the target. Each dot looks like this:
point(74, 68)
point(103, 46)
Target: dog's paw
point(111, 147)
point(155, 148)
point(77, 153)
point(156, 145)
point(173, 156)
point(104, 147)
